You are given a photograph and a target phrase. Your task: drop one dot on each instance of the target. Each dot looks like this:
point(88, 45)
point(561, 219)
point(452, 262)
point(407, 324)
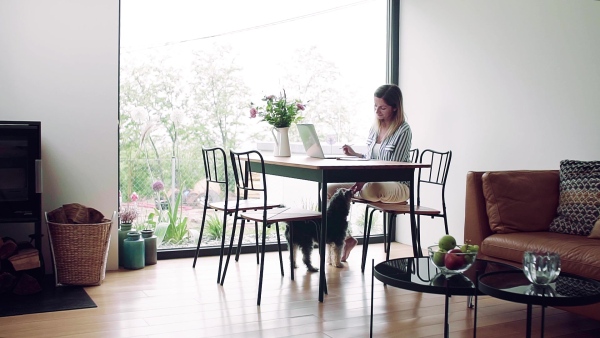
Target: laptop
point(312, 146)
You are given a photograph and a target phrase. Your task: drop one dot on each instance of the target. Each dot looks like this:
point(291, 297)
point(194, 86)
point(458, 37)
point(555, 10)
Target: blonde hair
point(392, 95)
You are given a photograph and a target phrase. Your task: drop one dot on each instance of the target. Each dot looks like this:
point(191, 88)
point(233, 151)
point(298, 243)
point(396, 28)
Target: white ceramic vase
point(282, 142)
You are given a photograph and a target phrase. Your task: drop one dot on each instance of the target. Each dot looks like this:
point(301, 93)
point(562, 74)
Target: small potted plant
point(126, 217)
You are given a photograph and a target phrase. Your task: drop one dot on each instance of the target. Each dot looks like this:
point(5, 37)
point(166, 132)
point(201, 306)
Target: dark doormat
point(50, 299)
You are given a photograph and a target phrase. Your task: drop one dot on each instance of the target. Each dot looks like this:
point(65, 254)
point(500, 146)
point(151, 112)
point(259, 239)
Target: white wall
point(505, 84)
point(59, 65)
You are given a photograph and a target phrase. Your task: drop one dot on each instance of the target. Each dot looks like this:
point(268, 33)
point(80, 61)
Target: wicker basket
point(79, 252)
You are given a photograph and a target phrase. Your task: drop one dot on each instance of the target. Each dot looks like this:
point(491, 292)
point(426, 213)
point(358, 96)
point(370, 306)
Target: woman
point(389, 140)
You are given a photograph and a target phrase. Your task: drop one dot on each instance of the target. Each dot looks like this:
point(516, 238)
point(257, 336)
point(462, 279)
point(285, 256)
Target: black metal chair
point(245, 184)
point(414, 157)
point(216, 170)
point(436, 175)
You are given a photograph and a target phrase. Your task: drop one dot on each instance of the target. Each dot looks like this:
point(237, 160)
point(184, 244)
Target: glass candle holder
point(540, 290)
point(541, 268)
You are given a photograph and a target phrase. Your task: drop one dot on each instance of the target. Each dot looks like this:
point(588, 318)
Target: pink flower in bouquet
point(134, 196)
point(300, 106)
point(158, 186)
point(253, 112)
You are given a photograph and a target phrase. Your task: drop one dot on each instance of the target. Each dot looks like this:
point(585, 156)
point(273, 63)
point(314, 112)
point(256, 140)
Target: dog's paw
point(339, 265)
point(312, 269)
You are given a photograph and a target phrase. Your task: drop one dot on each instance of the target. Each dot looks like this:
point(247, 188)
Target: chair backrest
point(414, 155)
point(215, 168)
point(245, 178)
point(437, 173)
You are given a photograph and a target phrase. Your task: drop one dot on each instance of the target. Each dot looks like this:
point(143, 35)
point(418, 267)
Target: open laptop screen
point(310, 140)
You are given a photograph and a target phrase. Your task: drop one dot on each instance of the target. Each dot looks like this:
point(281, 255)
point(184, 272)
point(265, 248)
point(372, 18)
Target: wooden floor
point(171, 299)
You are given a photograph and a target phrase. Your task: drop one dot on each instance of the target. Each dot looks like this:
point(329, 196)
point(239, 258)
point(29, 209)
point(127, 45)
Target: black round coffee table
point(513, 286)
point(419, 274)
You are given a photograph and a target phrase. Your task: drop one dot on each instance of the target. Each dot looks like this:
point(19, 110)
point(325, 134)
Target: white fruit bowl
point(451, 263)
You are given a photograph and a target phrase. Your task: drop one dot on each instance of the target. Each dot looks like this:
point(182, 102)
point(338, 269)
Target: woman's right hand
point(357, 187)
point(349, 151)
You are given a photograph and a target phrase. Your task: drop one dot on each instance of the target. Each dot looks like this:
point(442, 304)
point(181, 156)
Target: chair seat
point(282, 215)
point(249, 204)
point(403, 208)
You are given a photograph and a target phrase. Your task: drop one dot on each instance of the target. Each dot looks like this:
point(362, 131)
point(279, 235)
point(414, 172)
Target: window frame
point(392, 76)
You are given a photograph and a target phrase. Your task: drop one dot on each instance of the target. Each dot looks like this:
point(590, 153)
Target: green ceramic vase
point(150, 246)
point(124, 228)
point(133, 251)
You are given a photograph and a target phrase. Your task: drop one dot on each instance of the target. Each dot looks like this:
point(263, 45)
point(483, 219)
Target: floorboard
point(173, 299)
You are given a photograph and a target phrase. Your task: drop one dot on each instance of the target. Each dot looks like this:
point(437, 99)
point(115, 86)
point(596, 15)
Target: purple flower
point(300, 106)
point(158, 186)
point(134, 196)
point(253, 112)
point(128, 215)
point(270, 97)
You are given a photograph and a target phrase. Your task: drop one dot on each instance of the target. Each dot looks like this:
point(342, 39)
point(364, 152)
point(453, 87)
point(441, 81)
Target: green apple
point(439, 257)
point(469, 248)
point(447, 243)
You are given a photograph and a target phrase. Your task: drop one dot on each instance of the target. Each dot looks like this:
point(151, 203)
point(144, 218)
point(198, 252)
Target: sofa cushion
point(579, 203)
point(579, 255)
point(523, 200)
point(595, 231)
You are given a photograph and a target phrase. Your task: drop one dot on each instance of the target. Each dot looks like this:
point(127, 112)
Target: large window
point(190, 69)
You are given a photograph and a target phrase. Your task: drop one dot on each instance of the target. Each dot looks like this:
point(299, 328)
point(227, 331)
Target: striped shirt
point(395, 147)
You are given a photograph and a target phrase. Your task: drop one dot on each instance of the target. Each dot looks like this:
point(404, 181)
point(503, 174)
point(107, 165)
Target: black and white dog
point(305, 232)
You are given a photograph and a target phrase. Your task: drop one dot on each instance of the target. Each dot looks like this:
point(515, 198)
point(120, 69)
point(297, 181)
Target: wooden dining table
point(325, 171)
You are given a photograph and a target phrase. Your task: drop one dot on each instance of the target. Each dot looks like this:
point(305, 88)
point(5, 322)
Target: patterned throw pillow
point(579, 203)
point(596, 230)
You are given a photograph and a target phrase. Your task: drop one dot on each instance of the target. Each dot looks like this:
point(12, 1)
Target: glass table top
point(419, 274)
point(567, 290)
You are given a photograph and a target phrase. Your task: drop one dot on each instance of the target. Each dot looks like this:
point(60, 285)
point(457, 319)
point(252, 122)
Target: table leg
point(475, 320)
point(446, 326)
point(413, 221)
point(372, 287)
point(528, 333)
point(292, 258)
point(476, 299)
point(543, 319)
point(322, 244)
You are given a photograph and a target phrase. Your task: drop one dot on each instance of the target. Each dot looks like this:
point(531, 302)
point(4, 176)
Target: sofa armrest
point(477, 225)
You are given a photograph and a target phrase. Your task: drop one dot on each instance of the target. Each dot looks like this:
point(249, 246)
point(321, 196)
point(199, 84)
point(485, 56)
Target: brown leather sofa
point(509, 212)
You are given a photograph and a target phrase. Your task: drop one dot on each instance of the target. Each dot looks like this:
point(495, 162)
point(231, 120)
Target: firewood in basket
point(76, 213)
point(57, 216)
point(95, 216)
